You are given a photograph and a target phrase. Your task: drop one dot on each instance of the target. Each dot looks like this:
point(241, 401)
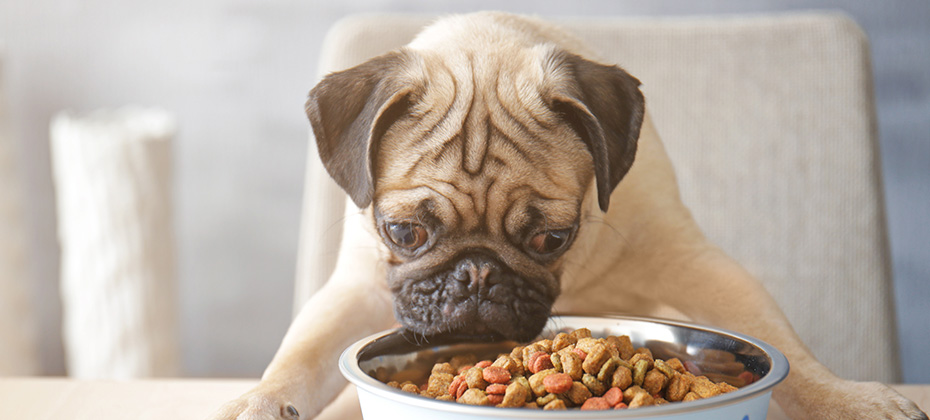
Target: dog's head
point(476, 165)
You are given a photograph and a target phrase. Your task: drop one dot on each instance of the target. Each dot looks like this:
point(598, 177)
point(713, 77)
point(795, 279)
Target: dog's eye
point(550, 241)
point(406, 235)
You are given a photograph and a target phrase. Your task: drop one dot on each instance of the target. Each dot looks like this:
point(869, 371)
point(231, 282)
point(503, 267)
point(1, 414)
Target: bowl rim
point(349, 367)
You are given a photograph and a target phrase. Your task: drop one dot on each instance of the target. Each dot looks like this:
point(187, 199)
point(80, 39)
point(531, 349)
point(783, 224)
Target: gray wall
point(236, 72)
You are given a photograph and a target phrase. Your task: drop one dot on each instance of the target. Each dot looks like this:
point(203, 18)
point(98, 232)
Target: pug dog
point(503, 174)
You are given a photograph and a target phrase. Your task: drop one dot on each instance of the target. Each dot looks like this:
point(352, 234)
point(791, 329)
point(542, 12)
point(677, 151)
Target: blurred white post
point(18, 355)
point(113, 174)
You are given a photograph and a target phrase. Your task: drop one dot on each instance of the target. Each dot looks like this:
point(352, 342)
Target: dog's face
point(476, 168)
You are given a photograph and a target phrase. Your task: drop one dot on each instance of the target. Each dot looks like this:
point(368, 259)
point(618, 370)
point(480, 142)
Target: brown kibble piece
point(505, 361)
point(438, 384)
point(546, 399)
point(654, 382)
point(631, 392)
point(641, 399)
point(596, 358)
point(579, 333)
point(678, 386)
point(691, 396)
point(578, 393)
point(647, 352)
point(613, 346)
point(561, 341)
point(556, 360)
point(622, 378)
point(571, 364)
point(626, 347)
point(595, 386)
point(475, 378)
point(642, 356)
point(676, 364)
point(555, 404)
point(704, 387)
point(608, 368)
point(474, 397)
point(639, 371)
point(724, 387)
point(663, 367)
point(545, 345)
point(442, 368)
point(515, 395)
point(587, 344)
point(411, 388)
point(526, 385)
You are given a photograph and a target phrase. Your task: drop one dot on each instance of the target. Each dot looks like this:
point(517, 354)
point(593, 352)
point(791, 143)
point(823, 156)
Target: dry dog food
point(575, 370)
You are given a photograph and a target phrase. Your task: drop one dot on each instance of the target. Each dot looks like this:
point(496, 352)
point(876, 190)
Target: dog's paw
point(864, 400)
point(257, 405)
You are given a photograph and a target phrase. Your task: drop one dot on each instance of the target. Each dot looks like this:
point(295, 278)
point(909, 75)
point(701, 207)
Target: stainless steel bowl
point(391, 349)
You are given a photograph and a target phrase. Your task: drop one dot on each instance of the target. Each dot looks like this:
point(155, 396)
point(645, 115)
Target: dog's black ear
point(349, 111)
point(604, 105)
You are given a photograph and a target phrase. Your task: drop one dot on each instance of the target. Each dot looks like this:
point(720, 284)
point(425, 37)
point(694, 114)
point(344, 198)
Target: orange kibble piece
point(596, 403)
point(557, 383)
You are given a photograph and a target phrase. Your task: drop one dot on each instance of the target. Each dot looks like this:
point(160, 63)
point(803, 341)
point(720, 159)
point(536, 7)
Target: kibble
point(572, 370)
point(557, 383)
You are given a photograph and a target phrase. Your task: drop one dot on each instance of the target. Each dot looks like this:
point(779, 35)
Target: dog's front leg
point(303, 377)
point(720, 292)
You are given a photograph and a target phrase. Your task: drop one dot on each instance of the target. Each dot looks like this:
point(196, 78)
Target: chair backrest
point(770, 124)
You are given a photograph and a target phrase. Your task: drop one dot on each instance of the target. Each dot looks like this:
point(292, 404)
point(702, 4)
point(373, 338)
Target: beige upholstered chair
point(770, 123)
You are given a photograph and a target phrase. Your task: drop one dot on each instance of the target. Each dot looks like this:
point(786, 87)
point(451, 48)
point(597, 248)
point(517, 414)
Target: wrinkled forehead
point(502, 201)
point(479, 148)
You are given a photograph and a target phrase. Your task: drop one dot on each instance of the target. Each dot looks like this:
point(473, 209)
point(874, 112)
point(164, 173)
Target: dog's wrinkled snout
point(475, 292)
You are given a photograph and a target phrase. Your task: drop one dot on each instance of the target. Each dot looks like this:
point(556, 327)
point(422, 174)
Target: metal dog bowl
point(390, 349)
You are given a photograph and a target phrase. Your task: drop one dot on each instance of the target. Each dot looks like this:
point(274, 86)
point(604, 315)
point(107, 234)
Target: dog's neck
point(629, 233)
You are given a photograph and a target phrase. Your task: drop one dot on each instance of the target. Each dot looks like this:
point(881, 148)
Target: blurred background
point(235, 73)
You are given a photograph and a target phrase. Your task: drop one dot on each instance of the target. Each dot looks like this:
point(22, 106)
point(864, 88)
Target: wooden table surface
point(175, 399)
